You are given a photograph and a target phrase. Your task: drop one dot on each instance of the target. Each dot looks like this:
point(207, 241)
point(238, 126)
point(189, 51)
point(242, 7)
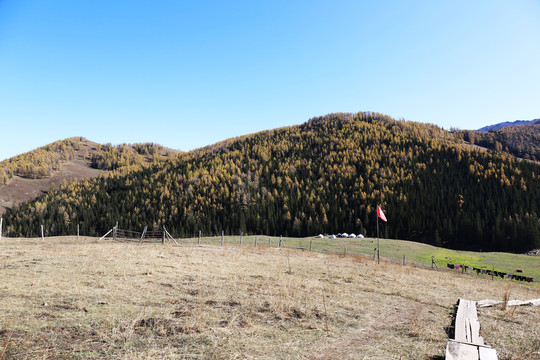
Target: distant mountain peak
point(508, 123)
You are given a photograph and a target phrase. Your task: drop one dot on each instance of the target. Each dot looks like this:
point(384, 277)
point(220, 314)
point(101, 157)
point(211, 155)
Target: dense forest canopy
point(324, 176)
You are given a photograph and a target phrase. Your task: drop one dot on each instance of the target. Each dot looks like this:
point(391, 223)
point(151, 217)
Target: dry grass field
point(63, 299)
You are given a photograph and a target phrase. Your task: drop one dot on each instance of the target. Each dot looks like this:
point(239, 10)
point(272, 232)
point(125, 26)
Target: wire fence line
point(364, 248)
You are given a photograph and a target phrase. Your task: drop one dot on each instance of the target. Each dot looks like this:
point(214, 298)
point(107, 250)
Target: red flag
point(381, 214)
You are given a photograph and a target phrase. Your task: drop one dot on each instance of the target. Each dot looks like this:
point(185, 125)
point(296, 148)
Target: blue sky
point(186, 74)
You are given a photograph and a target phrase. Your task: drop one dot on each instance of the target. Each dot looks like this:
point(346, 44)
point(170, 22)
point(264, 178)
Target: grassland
point(394, 250)
point(68, 299)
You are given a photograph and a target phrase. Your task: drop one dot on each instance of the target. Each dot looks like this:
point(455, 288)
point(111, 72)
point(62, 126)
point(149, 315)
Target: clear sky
point(186, 74)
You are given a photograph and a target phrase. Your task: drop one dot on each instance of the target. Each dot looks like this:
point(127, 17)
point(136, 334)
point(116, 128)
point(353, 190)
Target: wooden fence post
point(403, 260)
point(115, 231)
point(143, 234)
point(77, 232)
point(241, 237)
point(1, 219)
point(310, 244)
point(269, 242)
point(42, 233)
point(279, 245)
point(199, 241)
point(222, 235)
point(256, 239)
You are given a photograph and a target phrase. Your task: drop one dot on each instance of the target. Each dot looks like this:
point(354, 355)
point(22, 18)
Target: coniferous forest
point(324, 176)
point(522, 141)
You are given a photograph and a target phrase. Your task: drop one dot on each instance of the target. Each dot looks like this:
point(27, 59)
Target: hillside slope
point(326, 175)
point(26, 176)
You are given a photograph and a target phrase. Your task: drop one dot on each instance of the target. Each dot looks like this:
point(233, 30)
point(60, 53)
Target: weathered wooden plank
point(459, 351)
point(468, 344)
point(459, 328)
point(464, 342)
point(467, 326)
point(487, 354)
point(475, 332)
point(487, 302)
point(468, 330)
point(466, 311)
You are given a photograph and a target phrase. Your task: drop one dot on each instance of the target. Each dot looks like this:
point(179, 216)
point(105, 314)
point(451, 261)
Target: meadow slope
point(63, 299)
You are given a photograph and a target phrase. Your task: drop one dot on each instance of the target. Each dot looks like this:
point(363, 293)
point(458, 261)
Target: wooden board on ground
point(487, 353)
point(468, 344)
point(467, 326)
point(459, 351)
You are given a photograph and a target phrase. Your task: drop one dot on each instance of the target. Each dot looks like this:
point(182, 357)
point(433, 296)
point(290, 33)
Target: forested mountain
point(324, 176)
point(40, 163)
point(25, 176)
point(522, 141)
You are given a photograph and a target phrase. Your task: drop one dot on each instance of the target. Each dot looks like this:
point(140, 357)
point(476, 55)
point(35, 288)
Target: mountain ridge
point(325, 175)
point(508, 123)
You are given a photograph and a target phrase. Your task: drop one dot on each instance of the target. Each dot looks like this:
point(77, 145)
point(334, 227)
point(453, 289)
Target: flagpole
point(378, 259)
